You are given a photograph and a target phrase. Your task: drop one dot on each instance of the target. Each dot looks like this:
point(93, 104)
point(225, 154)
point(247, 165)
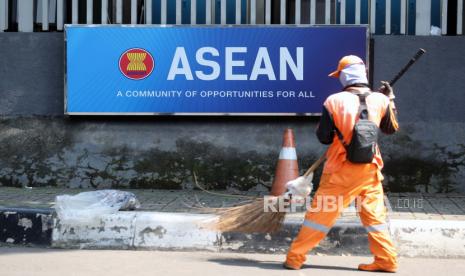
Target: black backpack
point(362, 147)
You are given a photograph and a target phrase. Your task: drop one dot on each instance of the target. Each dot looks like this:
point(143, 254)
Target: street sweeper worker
point(349, 124)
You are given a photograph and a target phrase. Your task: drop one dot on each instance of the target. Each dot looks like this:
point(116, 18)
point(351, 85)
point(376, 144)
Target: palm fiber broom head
point(249, 218)
point(252, 217)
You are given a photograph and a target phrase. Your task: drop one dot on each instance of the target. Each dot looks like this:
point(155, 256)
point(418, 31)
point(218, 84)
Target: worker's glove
point(300, 187)
point(387, 90)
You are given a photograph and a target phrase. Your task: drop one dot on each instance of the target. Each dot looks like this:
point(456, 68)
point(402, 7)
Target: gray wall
point(41, 147)
point(428, 154)
point(31, 73)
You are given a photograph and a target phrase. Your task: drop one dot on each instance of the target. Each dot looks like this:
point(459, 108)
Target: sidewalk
point(404, 205)
point(431, 225)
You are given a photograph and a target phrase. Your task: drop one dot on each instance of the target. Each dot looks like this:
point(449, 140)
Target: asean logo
point(136, 64)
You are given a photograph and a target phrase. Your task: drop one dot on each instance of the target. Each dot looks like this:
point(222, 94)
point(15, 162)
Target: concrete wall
point(41, 147)
point(428, 154)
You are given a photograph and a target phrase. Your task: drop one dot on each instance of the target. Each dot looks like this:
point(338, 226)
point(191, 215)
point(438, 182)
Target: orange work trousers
point(360, 182)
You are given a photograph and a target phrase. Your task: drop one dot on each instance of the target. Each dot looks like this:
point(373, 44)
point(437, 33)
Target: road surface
point(19, 261)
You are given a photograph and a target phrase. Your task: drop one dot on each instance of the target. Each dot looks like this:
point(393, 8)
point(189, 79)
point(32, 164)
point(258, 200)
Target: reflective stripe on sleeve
point(376, 228)
point(316, 226)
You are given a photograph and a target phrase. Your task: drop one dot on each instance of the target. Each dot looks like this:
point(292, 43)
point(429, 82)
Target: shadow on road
point(271, 265)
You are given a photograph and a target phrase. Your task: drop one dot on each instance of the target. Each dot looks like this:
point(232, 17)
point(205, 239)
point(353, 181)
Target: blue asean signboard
point(125, 70)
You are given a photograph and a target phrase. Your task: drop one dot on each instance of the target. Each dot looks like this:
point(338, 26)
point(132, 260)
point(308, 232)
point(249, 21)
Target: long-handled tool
point(250, 217)
point(407, 66)
point(415, 58)
point(385, 90)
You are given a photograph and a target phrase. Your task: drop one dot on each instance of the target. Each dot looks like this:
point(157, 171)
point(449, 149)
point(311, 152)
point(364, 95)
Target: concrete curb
point(427, 238)
point(137, 230)
point(181, 231)
point(178, 231)
point(175, 231)
point(26, 226)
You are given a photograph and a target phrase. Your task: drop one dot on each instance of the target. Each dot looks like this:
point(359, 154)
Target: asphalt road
point(18, 261)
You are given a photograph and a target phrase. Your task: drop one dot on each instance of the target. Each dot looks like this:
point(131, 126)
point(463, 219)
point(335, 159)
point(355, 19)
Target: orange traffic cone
point(287, 168)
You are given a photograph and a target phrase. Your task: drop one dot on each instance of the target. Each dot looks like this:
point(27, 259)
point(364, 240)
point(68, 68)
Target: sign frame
point(238, 114)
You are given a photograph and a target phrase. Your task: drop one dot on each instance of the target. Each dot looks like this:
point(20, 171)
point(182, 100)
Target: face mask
point(355, 73)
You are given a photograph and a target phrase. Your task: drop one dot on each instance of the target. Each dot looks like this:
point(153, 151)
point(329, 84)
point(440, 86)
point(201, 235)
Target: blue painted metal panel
point(105, 65)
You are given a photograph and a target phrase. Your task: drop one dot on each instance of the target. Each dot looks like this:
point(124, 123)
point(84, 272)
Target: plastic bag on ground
point(94, 203)
point(435, 31)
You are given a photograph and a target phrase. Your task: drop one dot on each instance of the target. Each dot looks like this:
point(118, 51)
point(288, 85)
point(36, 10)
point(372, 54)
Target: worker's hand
point(387, 90)
point(301, 186)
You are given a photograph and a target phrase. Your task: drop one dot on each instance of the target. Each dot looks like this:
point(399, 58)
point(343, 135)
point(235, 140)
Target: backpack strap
point(363, 109)
point(339, 135)
point(362, 114)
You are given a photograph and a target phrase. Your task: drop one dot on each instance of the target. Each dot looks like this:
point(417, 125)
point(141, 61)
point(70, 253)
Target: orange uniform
point(343, 109)
point(343, 181)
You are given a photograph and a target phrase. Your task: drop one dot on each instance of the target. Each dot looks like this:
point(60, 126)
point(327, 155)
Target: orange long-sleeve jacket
point(341, 110)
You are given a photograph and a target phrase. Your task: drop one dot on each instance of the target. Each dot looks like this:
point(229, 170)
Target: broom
point(251, 217)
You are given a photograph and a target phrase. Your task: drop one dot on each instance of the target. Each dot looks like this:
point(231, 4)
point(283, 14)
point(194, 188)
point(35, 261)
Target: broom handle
point(315, 165)
point(417, 56)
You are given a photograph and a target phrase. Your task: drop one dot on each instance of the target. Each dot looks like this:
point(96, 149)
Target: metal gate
point(403, 17)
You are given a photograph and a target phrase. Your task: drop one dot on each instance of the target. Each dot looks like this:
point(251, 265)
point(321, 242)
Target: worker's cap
point(346, 62)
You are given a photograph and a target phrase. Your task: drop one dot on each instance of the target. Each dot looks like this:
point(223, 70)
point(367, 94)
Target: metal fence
point(414, 17)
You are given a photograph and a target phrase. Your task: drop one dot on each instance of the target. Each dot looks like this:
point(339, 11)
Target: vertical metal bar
point(133, 12)
point(313, 12)
point(38, 11)
point(327, 11)
point(74, 11)
point(213, 11)
point(298, 11)
point(104, 14)
point(388, 17)
point(403, 16)
point(459, 17)
point(283, 12)
point(268, 12)
point(423, 17)
point(25, 15)
point(111, 12)
point(193, 12)
point(44, 15)
point(3, 15)
point(90, 11)
point(238, 12)
point(119, 11)
point(6, 14)
point(208, 12)
point(223, 12)
point(149, 11)
point(357, 11)
point(372, 16)
point(163, 12)
point(52, 11)
point(178, 12)
point(60, 18)
point(253, 12)
point(260, 11)
point(343, 11)
point(444, 16)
